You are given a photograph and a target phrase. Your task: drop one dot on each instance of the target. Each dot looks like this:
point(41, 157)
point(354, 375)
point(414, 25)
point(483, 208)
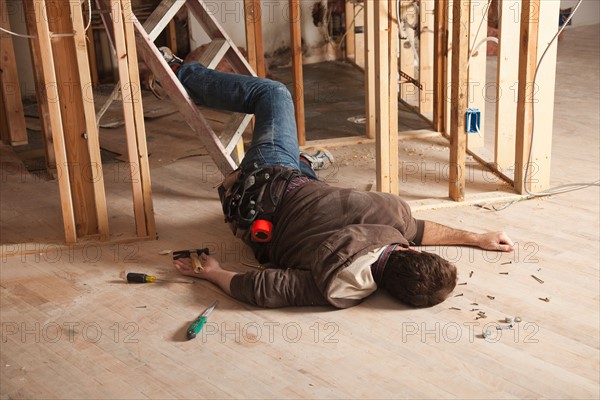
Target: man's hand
point(212, 271)
point(497, 241)
point(186, 267)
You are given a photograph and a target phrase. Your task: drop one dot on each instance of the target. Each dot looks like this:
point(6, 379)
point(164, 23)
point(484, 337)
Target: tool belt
point(253, 194)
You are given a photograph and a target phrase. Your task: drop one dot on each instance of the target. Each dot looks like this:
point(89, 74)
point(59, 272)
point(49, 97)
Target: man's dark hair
point(419, 279)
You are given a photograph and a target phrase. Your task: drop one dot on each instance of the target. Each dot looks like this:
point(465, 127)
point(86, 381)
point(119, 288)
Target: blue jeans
point(275, 140)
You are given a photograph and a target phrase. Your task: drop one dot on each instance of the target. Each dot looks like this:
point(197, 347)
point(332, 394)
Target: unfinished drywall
point(275, 23)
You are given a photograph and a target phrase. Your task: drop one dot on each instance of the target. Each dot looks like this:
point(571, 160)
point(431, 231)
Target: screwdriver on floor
point(135, 277)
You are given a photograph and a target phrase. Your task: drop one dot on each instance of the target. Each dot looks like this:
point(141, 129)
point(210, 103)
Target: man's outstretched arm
point(268, 288)
point(434, 233)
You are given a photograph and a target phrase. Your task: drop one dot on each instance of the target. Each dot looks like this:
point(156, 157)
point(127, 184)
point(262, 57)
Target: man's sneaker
point(318, 159)
point(171, 59)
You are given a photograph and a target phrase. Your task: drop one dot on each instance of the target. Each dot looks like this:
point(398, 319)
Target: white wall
point(275, 24)
point(588, 13)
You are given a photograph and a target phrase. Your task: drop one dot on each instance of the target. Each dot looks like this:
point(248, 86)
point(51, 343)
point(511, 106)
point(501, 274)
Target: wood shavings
point(165, 252)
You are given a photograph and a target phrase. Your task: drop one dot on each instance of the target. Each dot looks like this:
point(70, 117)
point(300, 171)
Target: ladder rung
point(162, 15)
point(233, 130)
point(214, 53)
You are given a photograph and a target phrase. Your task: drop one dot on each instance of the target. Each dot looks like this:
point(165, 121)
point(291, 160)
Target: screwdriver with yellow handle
point(135, 277)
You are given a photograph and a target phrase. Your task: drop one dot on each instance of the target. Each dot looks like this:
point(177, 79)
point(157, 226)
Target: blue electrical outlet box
point(473, 120)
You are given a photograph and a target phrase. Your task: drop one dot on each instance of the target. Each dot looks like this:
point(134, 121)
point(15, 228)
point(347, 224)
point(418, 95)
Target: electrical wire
point(570, 187)
point(561, 188)
point(21, 35)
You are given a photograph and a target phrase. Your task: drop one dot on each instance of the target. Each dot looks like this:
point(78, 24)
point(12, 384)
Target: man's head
point(419, 279)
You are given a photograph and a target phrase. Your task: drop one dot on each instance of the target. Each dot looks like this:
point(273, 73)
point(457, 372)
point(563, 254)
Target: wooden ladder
point(221, 147)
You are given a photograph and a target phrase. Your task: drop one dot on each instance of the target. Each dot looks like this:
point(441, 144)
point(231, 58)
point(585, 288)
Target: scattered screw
point(546, 299)
point(455, 308)
point(141, 307)
point(470, 274)
point(537, 279)
point(503, 273)
point(458, 295)
point(505, 263)
point(462, 284)
point(474, 304)
point(480, 317)
point(501, 327)
point(491, 297)
point(474, 309)
point(539, 269)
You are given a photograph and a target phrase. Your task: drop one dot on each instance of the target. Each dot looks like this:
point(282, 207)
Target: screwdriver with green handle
point(199, 322)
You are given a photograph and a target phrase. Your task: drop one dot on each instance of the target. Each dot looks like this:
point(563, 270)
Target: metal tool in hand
point(196, 326)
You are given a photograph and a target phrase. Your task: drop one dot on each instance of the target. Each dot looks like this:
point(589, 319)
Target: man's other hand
point(498, 241)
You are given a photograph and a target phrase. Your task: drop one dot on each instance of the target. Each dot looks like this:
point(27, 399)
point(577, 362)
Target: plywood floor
point(71, 328)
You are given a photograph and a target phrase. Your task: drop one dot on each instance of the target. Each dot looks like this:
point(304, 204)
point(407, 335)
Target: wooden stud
point(38, 74)
point(74, 124)
point(527, 63)
point(477, 68)
point(172, 37)
point(131, 103)
point(537, 29)
point(296, 45)
point(393, 43)
point(359, 38)
point(386, 78)
point(449, 63)
point(10, 86)
point(93, 140)
point(409, 93)
point(426, 57)
point(254, 36)
point(91, 45)
point(459, 99)
point(507, 79)
point(54, 107)
point(440, 65)
point(128, 114)
point(370, 103)
point(140, 127)
point(350, 36)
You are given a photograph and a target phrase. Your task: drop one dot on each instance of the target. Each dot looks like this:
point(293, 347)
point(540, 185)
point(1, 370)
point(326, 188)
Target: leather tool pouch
point(253, 194)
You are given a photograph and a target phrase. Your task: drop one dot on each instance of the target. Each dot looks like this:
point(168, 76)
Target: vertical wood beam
point(370, 103)
point(459, 99)
point(409, 93)
point(10, 86)
point(350, 36)
point(38, 75)
point(172, 36)
point(386, 88)
point(426, 56)
point(449, 63)
point(96, 171)
point(296, 45)
point(508, 77)
point(537, 28)
point(138, 114)
point(254, 36)
point(527, 63)
point(71, 98)
point(129, 111)
point(54, 103)
point(440, 65)
point(477, 67)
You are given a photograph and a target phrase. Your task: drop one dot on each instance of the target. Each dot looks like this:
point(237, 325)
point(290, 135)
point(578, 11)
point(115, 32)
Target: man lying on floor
point(322, 245)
